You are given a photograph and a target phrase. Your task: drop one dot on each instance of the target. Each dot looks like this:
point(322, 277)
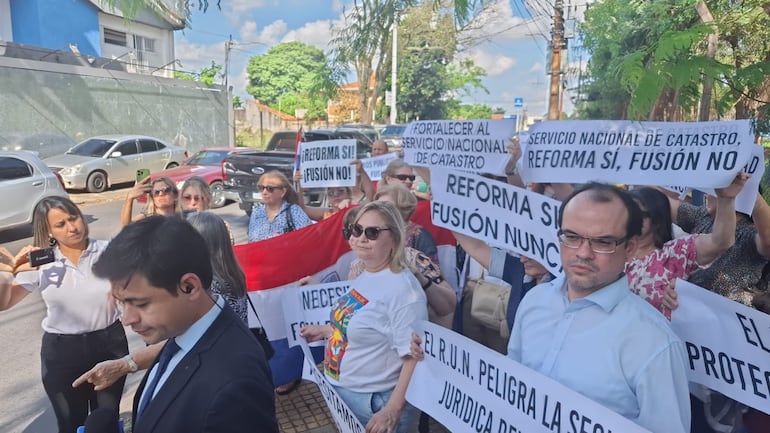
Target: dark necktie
point(165, 356)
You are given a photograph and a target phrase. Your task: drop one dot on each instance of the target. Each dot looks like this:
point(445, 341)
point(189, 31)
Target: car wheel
point(97, 182)
point(217, 194)
point(171, 165)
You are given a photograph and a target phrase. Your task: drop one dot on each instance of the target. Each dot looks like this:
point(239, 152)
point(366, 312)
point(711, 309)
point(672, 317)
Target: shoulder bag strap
point(248, 298)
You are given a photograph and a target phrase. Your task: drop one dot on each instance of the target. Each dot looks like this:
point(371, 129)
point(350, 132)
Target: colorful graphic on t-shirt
point(346, 306)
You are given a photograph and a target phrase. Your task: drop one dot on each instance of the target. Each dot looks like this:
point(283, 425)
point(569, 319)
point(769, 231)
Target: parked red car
point(206, 163)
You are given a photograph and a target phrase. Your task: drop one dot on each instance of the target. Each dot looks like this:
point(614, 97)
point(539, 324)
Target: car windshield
point(208, 157)
point(95, 147)
point(392, 130)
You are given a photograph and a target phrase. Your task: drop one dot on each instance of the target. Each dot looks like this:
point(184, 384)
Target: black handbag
point(260, 334)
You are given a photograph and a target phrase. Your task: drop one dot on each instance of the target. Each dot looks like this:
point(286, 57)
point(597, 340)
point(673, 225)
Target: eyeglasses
point(188, 197)
point(346, 233)
point(269, 188)
point(598, 245)
point(162, 191)
point(405, 177)
point(371, 233)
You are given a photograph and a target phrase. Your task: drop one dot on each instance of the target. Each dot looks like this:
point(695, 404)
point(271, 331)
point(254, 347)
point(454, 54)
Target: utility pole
point(557, 42)
point(394, 75)
point(228, 47)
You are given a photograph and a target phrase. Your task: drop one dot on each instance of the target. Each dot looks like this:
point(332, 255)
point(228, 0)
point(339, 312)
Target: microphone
point(101, 420)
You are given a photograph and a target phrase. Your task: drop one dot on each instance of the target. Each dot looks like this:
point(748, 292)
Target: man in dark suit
point(211, 374)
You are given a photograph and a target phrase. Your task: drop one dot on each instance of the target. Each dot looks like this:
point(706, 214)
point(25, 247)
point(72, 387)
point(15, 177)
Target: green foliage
point(457, 110)
point(237, 103)
point(210, 74)
point(289, 68)
point(290, 102)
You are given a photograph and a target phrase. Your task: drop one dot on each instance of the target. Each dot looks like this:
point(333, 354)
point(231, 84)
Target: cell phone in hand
point(142, 174)
point(40, 257)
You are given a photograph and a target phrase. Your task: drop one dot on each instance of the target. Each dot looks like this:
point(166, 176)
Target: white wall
point(6, 32)
point(164, 42)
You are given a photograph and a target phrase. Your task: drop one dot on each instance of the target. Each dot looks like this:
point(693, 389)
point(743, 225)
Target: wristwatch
point(132, 366)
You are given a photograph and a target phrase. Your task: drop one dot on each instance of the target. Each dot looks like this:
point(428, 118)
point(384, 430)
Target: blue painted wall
point(55, 24)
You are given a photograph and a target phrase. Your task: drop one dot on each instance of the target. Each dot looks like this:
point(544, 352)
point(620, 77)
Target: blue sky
point(512, 49)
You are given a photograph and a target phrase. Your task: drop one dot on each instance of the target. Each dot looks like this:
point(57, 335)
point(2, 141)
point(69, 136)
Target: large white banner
point(704, 154)
point(745, 200)
point(375, 165)
point(468, 387)
point(728, 344)
point(309, 305)
point(327, 163)
point(469, 145)
point(344, 418)
point(500, 214)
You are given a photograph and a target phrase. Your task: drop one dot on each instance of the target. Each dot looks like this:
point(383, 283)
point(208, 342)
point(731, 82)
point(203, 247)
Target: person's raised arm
point(126, 213)
point(761, 217)
point(315, 213)
point(512, 174)
point(11, 292)
point(710, 246)
point(365, 183)
point(476, 248)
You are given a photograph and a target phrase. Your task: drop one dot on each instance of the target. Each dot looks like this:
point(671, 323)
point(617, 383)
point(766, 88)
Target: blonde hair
point(391, 168)
point(169, 183)
point(393, 221)
point(201, 185)
point(404, 200)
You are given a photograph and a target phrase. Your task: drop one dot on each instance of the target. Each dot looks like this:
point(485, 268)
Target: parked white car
point(24, 181)
point(101, 161)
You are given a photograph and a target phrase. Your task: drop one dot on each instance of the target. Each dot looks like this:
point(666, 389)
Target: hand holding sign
point(732, 190)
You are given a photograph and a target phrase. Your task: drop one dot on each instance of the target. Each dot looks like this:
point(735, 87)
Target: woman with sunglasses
point(196, 195)
point(367, 341)
point(81, 323)
point(164, 200)
point(279, 212)
point(659, 259)
point(397, 171)
point(338, 197)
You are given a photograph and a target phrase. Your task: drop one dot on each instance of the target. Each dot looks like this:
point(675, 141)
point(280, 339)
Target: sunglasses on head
point(157, 192)
point(405, 177)
point(269, 188)
point(356, 230)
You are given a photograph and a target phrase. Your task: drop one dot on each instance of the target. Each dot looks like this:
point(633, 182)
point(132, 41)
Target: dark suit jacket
point(222, 385)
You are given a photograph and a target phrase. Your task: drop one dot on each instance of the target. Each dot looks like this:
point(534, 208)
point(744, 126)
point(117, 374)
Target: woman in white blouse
point(81, 323)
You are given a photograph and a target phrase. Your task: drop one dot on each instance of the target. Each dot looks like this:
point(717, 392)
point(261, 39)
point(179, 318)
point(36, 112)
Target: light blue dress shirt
point(610, 346)
point(186, 341)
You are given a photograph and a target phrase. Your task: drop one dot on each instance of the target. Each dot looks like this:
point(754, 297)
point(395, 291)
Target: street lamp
point(394, 75)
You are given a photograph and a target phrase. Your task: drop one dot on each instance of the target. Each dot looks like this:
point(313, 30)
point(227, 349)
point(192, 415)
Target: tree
point(237, 103)
point(207, 75)
point(289, 68)
point(457, 110)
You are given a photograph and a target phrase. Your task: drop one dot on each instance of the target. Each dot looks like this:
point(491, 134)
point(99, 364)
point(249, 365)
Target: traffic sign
point(518, 102)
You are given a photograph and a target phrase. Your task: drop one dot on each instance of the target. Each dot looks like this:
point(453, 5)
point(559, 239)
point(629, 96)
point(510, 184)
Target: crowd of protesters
point(622, 248)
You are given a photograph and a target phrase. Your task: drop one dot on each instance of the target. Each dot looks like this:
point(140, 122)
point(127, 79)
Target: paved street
point(24, 408)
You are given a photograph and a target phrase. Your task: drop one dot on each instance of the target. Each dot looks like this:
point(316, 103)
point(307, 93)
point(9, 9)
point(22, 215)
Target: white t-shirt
point(371, 330)
point(76, 301)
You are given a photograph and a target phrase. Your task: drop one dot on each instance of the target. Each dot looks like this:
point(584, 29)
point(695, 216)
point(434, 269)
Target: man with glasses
point(588, 331)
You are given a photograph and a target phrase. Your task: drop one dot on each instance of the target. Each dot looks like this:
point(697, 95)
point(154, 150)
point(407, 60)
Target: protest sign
point(468, 387)
point(706, 154)
point(468, 145)
point(745, 200)
point(344, 418)
point(309, 305)
point(327, 163)
point(375, 165)
point(500, 214)
point(727, 343)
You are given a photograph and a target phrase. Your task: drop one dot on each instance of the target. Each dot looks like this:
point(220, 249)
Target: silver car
point(99, 162)
point(24, 181)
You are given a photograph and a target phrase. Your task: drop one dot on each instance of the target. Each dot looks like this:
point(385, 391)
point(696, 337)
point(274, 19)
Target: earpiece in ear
point(186, 289)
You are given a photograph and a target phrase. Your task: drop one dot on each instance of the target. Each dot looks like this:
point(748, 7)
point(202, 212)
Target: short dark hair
point(656, 204)
point(162, 249)
point(603, 193)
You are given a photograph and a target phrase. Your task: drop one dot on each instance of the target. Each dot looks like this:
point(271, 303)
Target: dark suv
point(242, 171)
